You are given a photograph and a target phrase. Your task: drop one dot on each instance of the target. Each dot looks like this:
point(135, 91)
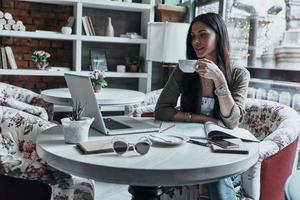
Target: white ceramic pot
point(66, 30)
point(76, 131)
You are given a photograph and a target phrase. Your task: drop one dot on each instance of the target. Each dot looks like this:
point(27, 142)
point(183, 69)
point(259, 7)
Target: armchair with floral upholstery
point(18, 157)
point(23, 115)
point(277, 126)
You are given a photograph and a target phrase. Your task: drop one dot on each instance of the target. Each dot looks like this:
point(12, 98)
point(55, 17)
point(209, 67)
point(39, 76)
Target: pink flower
point(97, 78)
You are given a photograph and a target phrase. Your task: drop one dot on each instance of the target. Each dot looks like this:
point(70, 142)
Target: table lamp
point(167, 42)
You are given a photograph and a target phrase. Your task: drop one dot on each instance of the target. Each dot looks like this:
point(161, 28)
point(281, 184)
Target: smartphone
point(224, 143)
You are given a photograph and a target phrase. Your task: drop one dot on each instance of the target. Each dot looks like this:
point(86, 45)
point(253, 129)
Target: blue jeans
point(222, 190)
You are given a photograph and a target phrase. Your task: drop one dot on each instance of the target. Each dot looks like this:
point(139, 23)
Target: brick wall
point(37, 17)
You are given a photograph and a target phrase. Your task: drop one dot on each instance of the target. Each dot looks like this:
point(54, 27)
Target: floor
point(108, 191)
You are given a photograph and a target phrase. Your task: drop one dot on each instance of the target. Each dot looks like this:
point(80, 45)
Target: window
point(262, 24)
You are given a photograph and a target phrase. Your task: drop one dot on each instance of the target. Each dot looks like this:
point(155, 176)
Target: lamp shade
point(167, 41)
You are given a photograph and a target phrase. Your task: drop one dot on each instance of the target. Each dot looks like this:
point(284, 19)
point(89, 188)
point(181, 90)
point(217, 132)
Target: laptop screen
point(82, 91)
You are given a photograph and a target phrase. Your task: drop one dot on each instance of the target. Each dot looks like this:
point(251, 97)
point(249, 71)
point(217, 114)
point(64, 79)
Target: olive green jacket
point(238, 84)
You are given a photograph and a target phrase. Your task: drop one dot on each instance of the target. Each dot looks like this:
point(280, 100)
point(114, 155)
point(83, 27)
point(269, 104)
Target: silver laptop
point(81, 91)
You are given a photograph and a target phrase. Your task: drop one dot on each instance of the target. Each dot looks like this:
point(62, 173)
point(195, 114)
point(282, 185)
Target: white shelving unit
point(146, 8)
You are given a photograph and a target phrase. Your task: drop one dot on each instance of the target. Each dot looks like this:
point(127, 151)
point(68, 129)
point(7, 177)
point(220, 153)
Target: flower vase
point(97, 88)
point(133, 68)
point(109, 28)
point(41, 66)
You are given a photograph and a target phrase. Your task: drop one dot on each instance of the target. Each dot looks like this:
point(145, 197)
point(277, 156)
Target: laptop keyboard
point(112, 124)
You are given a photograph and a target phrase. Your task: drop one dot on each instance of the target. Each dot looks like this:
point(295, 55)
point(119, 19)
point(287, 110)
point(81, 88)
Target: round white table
point(186, 164)
point(107, 97)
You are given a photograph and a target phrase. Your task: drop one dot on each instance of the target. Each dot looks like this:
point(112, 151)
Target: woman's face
point(204, 41)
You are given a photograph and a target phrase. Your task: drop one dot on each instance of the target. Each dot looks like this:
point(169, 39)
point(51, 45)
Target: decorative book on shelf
point(91, 25)
point(11, 57)
point(4, 58)
point(98, 59)
point(88, 26)
point(1, 65)
point(85, 25)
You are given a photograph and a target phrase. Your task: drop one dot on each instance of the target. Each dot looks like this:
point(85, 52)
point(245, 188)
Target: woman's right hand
point(209, 70)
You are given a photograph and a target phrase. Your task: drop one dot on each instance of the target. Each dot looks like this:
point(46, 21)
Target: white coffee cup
point(187, 66)
point(66, 30)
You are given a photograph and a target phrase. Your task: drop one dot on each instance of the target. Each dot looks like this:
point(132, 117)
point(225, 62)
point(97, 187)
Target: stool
point(291, 189)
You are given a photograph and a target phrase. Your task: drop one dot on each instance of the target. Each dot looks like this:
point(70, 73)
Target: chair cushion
point(262, 117)
point(148, 105)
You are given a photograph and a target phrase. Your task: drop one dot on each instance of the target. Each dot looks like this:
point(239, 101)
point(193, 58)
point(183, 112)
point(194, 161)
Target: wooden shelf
point(102, 4)
point(123, 74)
point(276, 83)
point(279, 74)
point(272, 69)
point(30, 72)
point(123, 6)
point(59, 36)
point(34, 72)
point(39, 35)
point(112, 39)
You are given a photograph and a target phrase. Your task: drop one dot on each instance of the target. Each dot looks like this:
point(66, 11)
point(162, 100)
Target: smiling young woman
point(216, 91)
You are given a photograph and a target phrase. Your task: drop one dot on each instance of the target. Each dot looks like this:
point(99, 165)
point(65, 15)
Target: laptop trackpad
point(113, 125)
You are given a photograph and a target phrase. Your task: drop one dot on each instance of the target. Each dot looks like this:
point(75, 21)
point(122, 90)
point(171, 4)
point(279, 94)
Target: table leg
point(145, 193)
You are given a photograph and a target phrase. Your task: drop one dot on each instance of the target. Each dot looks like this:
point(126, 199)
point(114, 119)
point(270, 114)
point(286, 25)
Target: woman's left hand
point(208, 69)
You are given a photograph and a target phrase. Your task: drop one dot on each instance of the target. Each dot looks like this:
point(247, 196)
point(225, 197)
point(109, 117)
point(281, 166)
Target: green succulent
point(77, 111)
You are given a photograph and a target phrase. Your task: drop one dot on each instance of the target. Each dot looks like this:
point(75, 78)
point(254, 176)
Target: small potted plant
point(97, 78)
point(133, 63)
point(76, 127)
point(41, 58)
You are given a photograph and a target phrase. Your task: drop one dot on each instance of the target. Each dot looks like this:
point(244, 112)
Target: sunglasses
point(121, 146)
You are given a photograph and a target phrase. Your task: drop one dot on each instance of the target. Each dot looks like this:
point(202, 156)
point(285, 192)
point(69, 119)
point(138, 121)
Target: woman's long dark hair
point(191, 81)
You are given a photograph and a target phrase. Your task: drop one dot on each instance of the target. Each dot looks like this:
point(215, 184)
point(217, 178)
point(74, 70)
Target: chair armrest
point(21, 125)
point(277, 140)
point(31, 109)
